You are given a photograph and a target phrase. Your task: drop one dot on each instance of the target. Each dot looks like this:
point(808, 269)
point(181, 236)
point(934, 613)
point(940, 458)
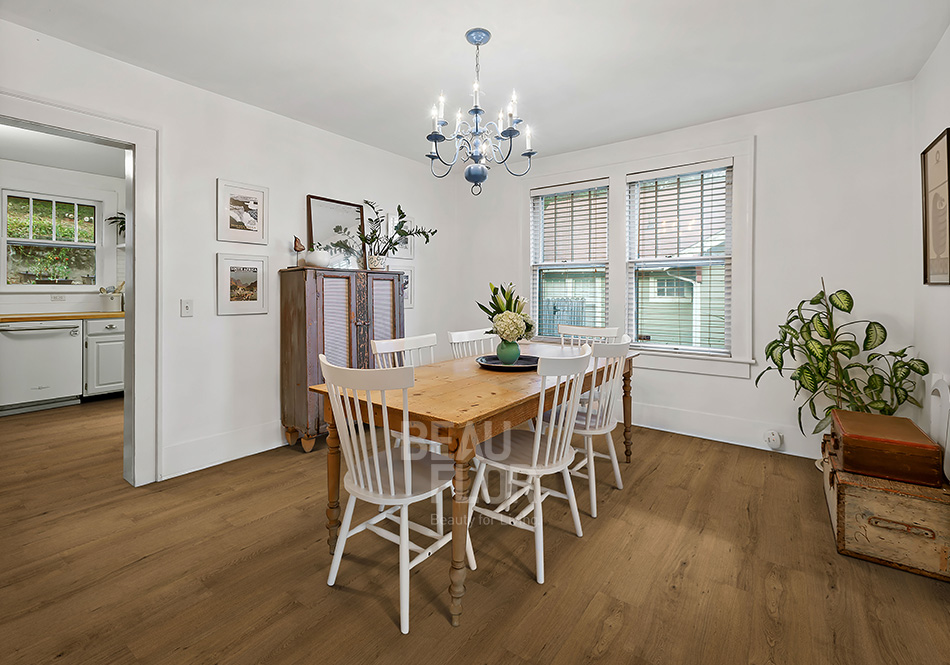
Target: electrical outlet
point(57, 298)
point(187, 307)
point(773, 438)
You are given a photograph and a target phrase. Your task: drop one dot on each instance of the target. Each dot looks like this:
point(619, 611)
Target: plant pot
point(47, 280)
point(319, 258)
point(374, 262)
point(508, 352)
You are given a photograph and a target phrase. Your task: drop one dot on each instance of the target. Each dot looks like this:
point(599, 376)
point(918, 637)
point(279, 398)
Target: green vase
point(508, 352)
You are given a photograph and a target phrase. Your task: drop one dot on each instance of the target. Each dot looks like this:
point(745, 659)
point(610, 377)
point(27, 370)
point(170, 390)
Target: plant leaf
point(876, 382)
point(818, 298)
point(902, 395)
point(776, 357)
point(877, 404)
point(761, 374)
point(901, 370)
point(848, 348)
point(822, 424)
point(806, 376)
point(842, 300)
point(820, 326)
point(818, 350)
point(913, 400)
point(874, 335)
point(919, 366)
point(787, 329)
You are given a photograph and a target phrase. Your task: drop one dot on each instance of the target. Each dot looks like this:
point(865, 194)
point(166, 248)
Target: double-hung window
point(679, 261)
point(49, 240)
point(569, 255)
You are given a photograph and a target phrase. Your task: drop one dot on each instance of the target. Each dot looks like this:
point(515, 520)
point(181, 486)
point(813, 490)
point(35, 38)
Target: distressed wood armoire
point(336, 313)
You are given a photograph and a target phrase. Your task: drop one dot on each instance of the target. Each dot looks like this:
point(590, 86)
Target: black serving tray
point(522, 364)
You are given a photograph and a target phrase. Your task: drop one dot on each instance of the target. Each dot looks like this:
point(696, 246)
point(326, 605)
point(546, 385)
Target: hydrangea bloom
point(510, 326)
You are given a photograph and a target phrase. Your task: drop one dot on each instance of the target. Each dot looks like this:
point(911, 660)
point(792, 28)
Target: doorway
point(133, 151)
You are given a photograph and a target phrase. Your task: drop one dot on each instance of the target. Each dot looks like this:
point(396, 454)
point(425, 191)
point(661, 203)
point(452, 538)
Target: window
point(680, 258)
point(569, 256)
point(49, 239)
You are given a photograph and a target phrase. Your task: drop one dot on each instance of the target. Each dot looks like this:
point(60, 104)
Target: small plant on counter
point(829, 365)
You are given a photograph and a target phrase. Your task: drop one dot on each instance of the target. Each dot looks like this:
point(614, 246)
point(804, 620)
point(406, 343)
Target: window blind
point(569, 256)
point(680, 260)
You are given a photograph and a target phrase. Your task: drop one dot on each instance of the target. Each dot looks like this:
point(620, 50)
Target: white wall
point(931, 115)
point(45, 179)
point(219, 395)
point(832, 181)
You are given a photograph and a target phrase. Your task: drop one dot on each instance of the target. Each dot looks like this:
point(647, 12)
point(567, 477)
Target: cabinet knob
point(111, 326)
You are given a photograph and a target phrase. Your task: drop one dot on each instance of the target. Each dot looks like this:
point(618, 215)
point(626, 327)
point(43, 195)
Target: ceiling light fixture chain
point(475, 140)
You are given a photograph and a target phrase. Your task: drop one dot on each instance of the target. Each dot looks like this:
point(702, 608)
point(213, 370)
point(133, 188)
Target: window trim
point(99, 198)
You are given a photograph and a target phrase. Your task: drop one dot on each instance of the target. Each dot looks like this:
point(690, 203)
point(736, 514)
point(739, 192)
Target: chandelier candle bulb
point(435, 120)
point(527, 137)
point(501, 121)
point(514, 104)
point(511, 115)
point(441, 106)
point(475, 93)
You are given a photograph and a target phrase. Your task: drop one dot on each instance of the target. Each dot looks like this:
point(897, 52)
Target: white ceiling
point(587, 73)
point(61, 152)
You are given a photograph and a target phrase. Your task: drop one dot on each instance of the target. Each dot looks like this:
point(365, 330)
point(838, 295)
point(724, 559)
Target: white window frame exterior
point(538, 266)
point(100, 246)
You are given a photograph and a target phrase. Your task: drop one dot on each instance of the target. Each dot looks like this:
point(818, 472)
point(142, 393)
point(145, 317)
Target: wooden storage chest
point(888, 447)
point(901, 525)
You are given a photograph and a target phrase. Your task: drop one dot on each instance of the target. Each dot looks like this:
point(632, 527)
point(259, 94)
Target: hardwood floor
point(711, 554)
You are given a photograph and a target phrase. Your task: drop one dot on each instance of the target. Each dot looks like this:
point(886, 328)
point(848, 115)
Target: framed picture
point(324, 216)
point(936, 204)
point(406, 248)
point(242, 212)
point(242, 284)
point(409, 286)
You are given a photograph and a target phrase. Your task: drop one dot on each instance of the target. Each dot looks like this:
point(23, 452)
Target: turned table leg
point(459, 536)
point(627, 412)
point(333, 480)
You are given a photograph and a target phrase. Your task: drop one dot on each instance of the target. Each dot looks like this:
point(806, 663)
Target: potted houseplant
point(118, 220)
point(831, 366)
point(505, 310)
point(374, 237)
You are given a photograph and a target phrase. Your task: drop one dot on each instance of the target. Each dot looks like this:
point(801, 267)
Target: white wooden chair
point(579, 335)
point(380, 473)
point(472, 343)
point(405, 351)
point(599, 415)
point(537, 454)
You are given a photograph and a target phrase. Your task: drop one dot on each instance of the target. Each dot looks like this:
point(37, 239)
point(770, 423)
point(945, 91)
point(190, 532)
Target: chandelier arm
point(518, 174)
point(439, 157)
point(432, 169)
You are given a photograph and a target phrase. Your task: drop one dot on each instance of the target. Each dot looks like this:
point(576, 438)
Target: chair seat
point(513, 450)
point(430, 473)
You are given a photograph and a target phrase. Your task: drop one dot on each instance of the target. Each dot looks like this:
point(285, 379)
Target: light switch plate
point(187, 307)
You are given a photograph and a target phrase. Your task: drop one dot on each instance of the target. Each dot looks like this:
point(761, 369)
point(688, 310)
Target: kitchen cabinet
point(104, 357)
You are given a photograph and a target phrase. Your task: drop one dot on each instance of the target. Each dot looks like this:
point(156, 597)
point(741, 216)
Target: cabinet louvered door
point(337, 305)
point(385, 306)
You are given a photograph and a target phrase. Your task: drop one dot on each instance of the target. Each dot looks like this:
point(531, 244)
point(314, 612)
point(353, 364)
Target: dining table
point(460, 404)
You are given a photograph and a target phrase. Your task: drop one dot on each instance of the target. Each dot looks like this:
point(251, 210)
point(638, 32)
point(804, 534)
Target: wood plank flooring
point(711, 554)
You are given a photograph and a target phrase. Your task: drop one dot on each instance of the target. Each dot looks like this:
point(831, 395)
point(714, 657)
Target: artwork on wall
point(936, 204)
point(242, 284)
point(409, 286)
point(242, 212)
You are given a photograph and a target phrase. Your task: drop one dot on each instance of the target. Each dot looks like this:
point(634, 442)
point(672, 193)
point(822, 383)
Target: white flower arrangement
point(506, 311)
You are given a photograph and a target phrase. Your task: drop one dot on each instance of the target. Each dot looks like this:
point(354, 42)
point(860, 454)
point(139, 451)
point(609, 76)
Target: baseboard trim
point(197, 454)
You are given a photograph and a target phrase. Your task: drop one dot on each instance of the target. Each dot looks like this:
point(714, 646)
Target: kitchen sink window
point(50, 240)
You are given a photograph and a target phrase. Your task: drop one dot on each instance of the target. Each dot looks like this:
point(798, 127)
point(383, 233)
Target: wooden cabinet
point(104, 357)
point(337, 313)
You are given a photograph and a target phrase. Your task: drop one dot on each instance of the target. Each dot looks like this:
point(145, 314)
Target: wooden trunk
point(896, 524)
point(886, 447)
point(336, 313)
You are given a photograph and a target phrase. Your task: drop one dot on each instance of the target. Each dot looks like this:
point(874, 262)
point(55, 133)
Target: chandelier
point(478, 141)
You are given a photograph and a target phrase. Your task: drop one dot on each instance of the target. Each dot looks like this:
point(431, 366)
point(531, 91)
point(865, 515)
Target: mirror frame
point(358, 206)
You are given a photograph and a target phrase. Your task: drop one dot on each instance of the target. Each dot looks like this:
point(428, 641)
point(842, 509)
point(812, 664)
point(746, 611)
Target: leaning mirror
point(323, 217)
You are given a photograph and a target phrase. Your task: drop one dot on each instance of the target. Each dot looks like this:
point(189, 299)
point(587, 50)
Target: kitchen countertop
point(59, 316)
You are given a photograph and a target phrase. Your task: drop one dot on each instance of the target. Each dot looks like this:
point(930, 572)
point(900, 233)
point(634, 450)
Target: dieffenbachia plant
point(828, 361)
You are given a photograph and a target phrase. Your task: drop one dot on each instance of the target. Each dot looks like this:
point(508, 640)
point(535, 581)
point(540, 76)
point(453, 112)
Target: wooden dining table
point(459, 404)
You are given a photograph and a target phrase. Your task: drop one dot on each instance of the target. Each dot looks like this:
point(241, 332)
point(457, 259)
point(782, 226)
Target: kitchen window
point(569, 255)
point(50, 240)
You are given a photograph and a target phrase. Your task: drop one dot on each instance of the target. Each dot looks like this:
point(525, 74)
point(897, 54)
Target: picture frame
point(242, 284)
point(407, 247)
point(242, 214)
point(409, 286)
point(935, 181)
point(323, 215)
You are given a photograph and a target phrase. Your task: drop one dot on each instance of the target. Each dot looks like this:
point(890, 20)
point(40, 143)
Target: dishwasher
point(40, 362)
